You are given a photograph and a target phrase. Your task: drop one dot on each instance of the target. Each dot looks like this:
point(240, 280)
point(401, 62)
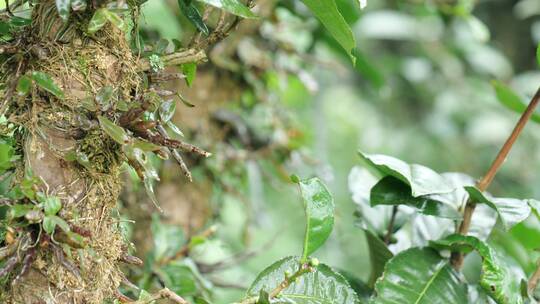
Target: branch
point(390, 228)
point(483, 184)
point(165, 293)
point(188, 56)
point(304, 268)
point(535, 277)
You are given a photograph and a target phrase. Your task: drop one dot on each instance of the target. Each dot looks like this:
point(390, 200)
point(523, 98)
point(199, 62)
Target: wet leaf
point(193, 15)
point(393, 191)
point(319, 208)
point(24, 85)
point(324, 285)
point(46, 82)
point(63, 7)
point(511, 100)
point(511, 211)
point(52, 205)
point(234, 7)
point(495, 278)
point(190, 70)
point(422, 276)
point(167, 110)
point(115, 132)
point(328, 14)
point(421, 179)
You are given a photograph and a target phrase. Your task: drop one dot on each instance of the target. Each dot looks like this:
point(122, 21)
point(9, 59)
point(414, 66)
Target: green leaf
point(421, 179)
point(319, 208)
point(327, 12)
point(234, 7)
point(52, 205)
point(51, 221)
point(115, 20)
point(538, 54)
point(98, 20)
point(63, 7)
point(324, 285)
point(495, 278)
point(378, 256)
point(168, 239)
point(511, 100)
point(167, 110)
point(78, 5)
point(115, 132)
point(6, 156)
point(104, 96)
point(180, 277)
point(174, 128)
point(393, 191)
point(421, 276)
point(193, 15)
point(16, 21)
point(20, 210)
point(46, 82)
point(190, 70)
point(24, 85)
point(511, 211)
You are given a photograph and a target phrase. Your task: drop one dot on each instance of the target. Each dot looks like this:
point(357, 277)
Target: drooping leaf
point(115, 132)
point(98, 20)
point(234, 7)
point(393, 191)
point(421, 276)
point(46, 82)
point(324, 285)
point(319, 208)
point(115, 20)
point(63, 7)
point(190, 70)
point(52, 205)
point(511, 211)
point(421, 179)
point(496, 278)
point(378, 256)
point(511, 100)
point(24, 85)
point(193, 15)
point(327, 12)
point(51, 221)
point(167, 110)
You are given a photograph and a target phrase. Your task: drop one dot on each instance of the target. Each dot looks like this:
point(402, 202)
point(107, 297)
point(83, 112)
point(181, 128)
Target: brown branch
point(534, 279)
point(165, 293)
point(483, 184)
point(303, 269)
point(388, 235)
point(187, 56)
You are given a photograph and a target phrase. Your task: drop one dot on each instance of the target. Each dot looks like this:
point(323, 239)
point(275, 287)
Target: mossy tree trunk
point(59, 124)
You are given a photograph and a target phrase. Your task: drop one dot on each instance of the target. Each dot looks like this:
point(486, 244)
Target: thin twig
point(303, 269)
point(165, 293)
point(390, 228)
point(534, 279)
point(483, 184)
